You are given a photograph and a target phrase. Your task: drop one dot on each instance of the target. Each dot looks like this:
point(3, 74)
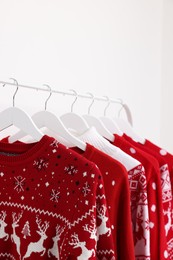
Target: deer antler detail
point(3, 215)
point(42, 227)
point(16, 217)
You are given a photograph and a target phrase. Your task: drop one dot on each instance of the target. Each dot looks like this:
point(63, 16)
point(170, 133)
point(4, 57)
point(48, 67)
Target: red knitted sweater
point(52, 204)
point(158, 247)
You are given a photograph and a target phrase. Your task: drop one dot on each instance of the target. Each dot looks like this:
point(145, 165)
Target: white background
point(111, 47)
point(167, 77)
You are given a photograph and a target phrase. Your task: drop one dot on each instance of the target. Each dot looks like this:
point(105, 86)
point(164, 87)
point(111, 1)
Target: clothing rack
point(74, 93)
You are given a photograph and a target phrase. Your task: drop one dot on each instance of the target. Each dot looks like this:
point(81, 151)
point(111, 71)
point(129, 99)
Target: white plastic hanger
point(109, 123)
point(127, 127)
point(73, 121)
point(53, 123)
point(19, 118)
point(97, 123)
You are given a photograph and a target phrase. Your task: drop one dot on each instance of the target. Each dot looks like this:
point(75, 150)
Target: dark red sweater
point(166, 156)
point(52, 204)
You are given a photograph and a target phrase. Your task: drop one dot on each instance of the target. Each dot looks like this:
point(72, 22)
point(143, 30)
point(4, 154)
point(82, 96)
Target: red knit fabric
point(167, 156)
point(167, 197)
point(158, 247)
point(52, 204)
point(117, 198)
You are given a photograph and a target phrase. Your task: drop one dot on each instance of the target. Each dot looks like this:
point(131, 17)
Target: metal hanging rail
point(62, 92)
point(75, 94)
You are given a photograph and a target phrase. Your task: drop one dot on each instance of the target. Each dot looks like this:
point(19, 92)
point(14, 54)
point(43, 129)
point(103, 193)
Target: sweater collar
point(18, 152)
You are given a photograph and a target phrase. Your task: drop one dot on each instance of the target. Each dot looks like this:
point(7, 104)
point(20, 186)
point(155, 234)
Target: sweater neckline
point(19, 152)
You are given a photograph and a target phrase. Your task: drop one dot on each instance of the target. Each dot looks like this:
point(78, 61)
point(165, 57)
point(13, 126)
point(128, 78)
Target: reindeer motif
point(139, 233)
point(37, 247)
point(86, 254)
point(168, 225)
point(3, 234)
point(14, 238)
point(54, 250)
point(91, 229)
point(102, 229)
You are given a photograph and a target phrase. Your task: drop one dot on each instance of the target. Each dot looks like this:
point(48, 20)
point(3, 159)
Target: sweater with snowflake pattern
point(168, 157)
point(52, 204)
point(158, 246)
point(167, 197)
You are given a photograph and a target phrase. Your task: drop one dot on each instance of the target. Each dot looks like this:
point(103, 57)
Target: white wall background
point(167, 77)
point(107, 47)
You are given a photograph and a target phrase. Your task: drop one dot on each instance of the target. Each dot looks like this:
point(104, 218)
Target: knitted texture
point(52, 204)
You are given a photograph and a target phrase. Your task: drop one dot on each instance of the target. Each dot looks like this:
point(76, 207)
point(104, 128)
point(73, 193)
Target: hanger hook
point(17, 87)
point(108, 104)
point(92, 102)
point(50, 90)
point(76, 97)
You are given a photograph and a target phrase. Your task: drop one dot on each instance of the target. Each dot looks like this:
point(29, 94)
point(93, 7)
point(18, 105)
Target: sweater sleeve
point(125, 243)
point(157, 231)
point(140, 211)
point(90, 235)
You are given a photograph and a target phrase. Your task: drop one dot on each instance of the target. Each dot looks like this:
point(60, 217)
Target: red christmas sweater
point(167, 156)
point(118, 200)
point(166, 191)
point(52, 204)
point(117, 196)
point(164, 160)
point(158, 247)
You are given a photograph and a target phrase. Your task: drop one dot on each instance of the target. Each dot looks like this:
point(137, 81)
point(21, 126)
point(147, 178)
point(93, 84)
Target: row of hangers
point(67, 126)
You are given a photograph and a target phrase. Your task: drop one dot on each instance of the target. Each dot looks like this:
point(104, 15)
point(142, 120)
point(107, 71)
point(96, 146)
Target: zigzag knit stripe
point(105, 252)
point(7, 255)
point(101, 197)
point(25, 207)
point(55, 215)
point(84, 216)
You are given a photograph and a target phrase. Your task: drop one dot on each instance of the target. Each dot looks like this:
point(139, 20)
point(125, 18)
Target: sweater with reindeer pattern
point(52, 204)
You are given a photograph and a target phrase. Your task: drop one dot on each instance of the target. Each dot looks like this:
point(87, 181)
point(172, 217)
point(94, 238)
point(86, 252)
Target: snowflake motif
point(86, 189)
point(54, 144)
point(41, 164)
point(71, 170)
point(55, 195)
point(19, 183)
